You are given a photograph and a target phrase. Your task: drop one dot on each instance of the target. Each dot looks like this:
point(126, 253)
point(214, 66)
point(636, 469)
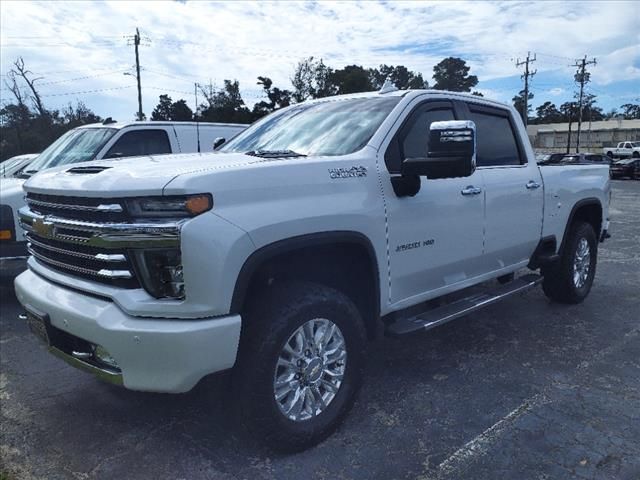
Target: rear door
point(512, 187)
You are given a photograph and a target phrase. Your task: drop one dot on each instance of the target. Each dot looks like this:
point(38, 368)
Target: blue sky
point(80, 48)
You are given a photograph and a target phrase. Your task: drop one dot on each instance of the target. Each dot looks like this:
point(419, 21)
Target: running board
point(440, 315)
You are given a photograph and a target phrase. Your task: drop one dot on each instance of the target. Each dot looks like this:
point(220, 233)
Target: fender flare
point(267, 252)
point(578, 205)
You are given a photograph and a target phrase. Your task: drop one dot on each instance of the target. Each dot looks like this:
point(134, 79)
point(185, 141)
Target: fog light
point(5, 235)
point(105, 357)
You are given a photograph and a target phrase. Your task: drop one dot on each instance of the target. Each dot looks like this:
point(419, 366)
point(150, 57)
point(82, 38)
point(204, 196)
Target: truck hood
point(134, 176)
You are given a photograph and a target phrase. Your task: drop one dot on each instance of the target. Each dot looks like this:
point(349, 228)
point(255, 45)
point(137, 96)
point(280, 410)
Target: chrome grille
point(91, 238)
point(100, 264)
point(77, 208)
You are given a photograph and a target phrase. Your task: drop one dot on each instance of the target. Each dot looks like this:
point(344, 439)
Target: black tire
point(558, 281)
point(635, 155)
point(268, 323)
point(610, 154)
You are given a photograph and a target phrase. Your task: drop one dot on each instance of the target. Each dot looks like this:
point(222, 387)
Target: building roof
point(616, 124)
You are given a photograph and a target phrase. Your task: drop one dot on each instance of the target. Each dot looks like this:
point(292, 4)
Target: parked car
point(283, 253)
point(629, 167)
point(550, 158)
point(107, 140)
point(623, 150)
point(585, 158)
point(12, 166)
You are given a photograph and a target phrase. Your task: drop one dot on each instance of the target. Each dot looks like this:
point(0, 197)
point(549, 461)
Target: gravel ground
point(525, 389)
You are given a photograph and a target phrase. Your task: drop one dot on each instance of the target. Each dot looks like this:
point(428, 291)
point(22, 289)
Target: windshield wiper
point(274, 153)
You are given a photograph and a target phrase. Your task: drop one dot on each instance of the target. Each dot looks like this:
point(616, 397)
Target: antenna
point(195, 92)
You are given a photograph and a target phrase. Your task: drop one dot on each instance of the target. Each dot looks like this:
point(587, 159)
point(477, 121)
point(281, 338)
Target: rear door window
point(140, 142)
point(495, 137)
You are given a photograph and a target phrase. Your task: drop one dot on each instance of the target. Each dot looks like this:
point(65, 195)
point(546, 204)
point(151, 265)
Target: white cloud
point(198, 41)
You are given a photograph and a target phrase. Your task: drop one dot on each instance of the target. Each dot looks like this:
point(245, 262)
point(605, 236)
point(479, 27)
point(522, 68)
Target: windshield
point(334, 127)
point(75, 146)
point(635, 144)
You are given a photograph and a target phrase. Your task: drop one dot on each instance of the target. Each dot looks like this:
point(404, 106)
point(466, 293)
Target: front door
point(435, 237)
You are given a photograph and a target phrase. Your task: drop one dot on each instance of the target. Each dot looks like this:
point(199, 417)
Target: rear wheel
point(300, 364)
point(610, 154)
point(570, 280)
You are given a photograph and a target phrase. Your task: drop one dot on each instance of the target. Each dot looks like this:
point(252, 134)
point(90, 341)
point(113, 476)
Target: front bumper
point(158, 355)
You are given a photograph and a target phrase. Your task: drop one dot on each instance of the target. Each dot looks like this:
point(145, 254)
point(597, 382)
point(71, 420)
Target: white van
point(97, 141)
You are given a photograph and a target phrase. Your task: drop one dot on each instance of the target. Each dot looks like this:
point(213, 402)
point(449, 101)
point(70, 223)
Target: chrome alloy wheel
point(581, 263)
point(310, 369)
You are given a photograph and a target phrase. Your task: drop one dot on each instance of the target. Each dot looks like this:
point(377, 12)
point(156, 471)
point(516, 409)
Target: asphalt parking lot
point(525, 389)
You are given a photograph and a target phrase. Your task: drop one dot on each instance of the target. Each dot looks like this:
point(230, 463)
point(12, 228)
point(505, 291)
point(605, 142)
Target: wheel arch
point(588, 210)
point(317, 257)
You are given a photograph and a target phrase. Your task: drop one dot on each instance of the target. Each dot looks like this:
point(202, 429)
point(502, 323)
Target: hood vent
point(89, 170)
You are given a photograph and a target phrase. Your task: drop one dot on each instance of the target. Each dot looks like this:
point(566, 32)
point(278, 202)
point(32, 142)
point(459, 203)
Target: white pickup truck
point(281, 254)
point(623, 150)
point(99, 141)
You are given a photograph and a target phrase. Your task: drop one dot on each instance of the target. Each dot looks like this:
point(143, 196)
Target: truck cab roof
point(154, 123)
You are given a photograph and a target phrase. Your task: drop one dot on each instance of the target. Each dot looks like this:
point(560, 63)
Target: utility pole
point(527, 74)
point(582, 77)
point(136, 42)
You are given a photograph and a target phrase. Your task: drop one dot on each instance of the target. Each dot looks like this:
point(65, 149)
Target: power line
point(86, 91)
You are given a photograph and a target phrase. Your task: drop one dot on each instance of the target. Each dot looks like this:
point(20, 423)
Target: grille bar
point(108, 207)
point(117, 257)
point(102, 273)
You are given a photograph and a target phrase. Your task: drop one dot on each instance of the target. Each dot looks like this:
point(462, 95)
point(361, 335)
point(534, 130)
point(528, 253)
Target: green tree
point(453, 74)
point(518, 104)
point(590, 111)
point(570, 111)
point(401, 77)
point(79, 115)
point(631, 111)
point(311, 79)
point(163, 109)
point(548, 113)
point(277, 98)
point(168, 110)
point(180, 111)
point(351, 79)
point(226, 105)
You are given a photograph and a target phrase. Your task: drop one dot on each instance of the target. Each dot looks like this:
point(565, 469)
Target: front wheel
point(300, 364)
point(570, 280)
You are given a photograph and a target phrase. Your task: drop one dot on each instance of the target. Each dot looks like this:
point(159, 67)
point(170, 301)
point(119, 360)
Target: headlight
point(173, 206)
point(160, 272)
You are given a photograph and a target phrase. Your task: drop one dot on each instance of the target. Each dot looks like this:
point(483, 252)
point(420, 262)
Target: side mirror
point(452, 151)
point(218, 142)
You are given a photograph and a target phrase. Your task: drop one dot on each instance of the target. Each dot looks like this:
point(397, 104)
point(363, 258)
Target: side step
point(446, 313)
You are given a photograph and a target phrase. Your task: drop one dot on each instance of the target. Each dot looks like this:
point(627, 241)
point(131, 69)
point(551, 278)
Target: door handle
point(531, 185)
point(471, 190)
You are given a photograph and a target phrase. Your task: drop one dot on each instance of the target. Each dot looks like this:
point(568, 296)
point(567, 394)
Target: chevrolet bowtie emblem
point(42, 227)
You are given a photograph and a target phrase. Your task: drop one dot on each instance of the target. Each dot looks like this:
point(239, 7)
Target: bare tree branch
point(24, 73)
point(12, 84)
